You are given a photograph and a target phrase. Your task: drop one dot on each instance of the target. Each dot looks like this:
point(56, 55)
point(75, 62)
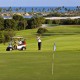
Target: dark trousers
point(39, 45)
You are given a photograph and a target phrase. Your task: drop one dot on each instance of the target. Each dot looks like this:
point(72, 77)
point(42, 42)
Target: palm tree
point(65, 9)
point(17, 9)
point(43, 10)
point(36, 9)
point(10, 9)
point(0, 9)
point(4, 9)
point(25, 10)
point(32, 10)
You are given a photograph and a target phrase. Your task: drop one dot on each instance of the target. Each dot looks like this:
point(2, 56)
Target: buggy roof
point(17, 37)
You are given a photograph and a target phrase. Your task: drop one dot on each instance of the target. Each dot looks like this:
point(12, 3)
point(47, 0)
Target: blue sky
point(20, 3)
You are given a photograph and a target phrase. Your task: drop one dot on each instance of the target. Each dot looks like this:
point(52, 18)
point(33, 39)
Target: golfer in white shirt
point(39, 43)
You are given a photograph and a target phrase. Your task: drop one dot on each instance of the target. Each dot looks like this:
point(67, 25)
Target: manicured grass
point(66, 65)
point(37, 65)
point(25, 66)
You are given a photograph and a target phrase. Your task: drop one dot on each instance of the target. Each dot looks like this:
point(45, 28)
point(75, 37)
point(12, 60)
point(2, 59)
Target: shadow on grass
point(60, 33)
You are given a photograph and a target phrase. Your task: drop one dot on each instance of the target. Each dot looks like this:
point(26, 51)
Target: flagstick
point(52, 63)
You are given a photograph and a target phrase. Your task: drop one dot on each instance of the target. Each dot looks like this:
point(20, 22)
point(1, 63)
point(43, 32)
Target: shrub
point(47, 21)
point(1, 37)
point(6, 35)
point(42, 30)
point(1, 23)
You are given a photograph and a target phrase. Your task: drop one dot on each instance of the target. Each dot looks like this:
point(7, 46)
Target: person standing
point(39, 43)
point(20, 42)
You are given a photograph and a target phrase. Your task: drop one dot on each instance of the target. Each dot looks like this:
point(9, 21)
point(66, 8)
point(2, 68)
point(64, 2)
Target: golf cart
point(16, 43)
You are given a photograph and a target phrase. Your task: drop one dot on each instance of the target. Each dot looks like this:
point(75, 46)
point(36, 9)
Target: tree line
point(64, 21)
point(20, 23)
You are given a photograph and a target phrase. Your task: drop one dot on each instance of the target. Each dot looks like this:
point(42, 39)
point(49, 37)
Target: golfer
point(39, 43)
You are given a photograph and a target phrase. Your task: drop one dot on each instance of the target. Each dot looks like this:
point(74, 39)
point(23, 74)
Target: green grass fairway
point(32, 64)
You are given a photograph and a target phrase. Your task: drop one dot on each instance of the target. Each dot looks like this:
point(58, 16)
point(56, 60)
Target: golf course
point(44, 64)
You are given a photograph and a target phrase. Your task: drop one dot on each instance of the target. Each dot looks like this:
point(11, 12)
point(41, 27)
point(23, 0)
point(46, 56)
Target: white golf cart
point(17, 43)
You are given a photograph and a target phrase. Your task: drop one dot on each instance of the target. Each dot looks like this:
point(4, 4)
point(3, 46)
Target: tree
point(32, 10)
point(21, 22)
point(56, 21)
point(22, 25)
point(77, 21)
point(48, 21)
point(43, 9)
point(55, 14)
point(4, 9)
point(10, 24)
point(35, 22)
point(10, 9)
point(67, 22)
point(6, 35)
point(1, 37)
point(1, 23)
point(17, 17)
point(0, 9)
point(17, 9)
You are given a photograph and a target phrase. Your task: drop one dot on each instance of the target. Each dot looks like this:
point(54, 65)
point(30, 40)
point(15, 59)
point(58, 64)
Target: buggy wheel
point(10, 49)
point(23, 48)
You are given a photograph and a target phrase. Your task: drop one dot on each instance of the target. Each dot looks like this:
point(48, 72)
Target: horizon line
point(39, 6)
